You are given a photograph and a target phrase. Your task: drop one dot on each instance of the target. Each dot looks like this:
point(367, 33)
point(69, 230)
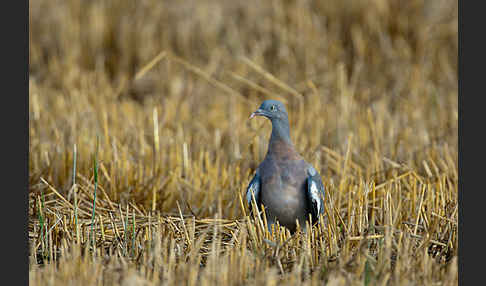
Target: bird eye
point(273, 108)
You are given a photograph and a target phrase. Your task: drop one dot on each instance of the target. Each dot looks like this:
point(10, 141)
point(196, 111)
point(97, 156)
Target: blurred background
point(168, 86)
point(147, 102)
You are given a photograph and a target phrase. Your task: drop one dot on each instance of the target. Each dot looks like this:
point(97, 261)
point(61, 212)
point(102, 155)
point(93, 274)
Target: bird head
point(271, 109)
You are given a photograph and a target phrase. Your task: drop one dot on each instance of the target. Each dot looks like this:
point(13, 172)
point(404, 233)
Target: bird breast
point(283, 192)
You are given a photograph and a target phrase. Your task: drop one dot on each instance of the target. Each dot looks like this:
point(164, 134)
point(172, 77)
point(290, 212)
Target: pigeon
point(289, 188)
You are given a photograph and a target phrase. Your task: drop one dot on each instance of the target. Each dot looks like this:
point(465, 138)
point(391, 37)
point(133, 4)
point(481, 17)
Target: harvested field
point(140, 146)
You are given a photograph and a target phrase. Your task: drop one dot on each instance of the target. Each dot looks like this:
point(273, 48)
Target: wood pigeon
point(286, 185)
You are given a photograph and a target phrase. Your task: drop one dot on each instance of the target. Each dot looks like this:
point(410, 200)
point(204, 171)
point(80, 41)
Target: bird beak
point(259, 112)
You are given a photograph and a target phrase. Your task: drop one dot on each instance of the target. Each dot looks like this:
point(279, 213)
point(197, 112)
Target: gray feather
point(253, 189)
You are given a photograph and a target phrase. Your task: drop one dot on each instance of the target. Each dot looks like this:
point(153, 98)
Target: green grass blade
point(95, 167)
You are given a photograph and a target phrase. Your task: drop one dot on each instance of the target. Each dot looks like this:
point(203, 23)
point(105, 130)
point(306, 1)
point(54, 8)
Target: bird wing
point(315, 193)
point(253, 189)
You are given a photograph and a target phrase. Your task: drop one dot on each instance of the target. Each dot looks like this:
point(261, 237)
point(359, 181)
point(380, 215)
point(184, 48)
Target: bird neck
point(280, 132)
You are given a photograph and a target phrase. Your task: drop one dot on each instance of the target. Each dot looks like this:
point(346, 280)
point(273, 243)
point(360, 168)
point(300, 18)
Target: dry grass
point(166, 87)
